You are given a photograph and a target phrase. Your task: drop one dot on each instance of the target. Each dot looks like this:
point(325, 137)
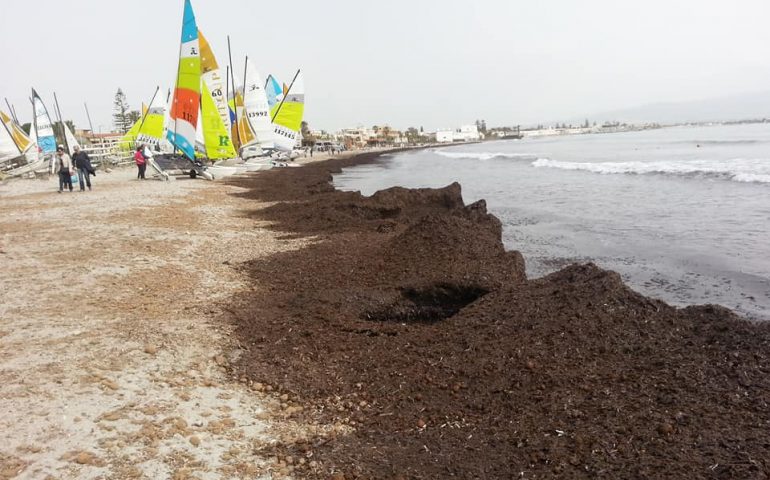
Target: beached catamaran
point(182, 118)
point(237, 134)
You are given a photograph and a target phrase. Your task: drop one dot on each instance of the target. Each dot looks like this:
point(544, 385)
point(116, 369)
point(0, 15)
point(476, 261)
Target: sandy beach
point(113, 364)
point(268, 326)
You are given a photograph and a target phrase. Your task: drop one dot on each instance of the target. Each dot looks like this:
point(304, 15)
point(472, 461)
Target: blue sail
point(273, 91)
point(46, 139)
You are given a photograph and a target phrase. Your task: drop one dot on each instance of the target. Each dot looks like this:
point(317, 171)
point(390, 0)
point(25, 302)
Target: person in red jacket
point(141, 161)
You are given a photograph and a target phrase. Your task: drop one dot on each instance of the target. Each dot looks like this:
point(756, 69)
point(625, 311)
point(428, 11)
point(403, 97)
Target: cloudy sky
point(433, 63)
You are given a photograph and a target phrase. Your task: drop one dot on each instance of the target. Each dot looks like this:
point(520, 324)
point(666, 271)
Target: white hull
point(221, 171)
point(255, 166)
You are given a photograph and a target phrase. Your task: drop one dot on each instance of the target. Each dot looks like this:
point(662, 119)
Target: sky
point(430, 63)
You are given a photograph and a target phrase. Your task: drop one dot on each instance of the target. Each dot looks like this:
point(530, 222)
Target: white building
point(466, 133)
point(445, 136)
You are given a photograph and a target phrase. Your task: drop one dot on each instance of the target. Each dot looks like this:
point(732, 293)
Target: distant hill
point(736, 107)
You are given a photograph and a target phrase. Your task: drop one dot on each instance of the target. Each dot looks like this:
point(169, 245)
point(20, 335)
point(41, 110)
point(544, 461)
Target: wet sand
point(405, 324)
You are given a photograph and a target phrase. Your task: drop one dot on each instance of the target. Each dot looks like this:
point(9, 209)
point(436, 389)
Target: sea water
point(682, 213)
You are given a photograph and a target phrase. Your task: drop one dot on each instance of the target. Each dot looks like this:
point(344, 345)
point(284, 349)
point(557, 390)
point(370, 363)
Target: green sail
point(215, 136)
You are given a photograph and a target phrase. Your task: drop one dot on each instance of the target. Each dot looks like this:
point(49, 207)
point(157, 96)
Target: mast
point(144, 114)
point(176, 82)
point(12, 111)
point(90, 125)
point(243, 99)
point(267, 80)
point(285, 96)
point(235, 93)
point(34, 118)
point(63, 133)
point(227, 90)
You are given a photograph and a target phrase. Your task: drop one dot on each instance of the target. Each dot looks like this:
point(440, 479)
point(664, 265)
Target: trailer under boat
point(168, 164)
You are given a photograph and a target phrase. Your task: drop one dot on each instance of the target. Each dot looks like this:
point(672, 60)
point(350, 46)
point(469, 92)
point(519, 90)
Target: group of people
point(80, 163)
point(66, 167)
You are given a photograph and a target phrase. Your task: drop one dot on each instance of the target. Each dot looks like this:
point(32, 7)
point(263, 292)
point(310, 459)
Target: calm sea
point(683, 214)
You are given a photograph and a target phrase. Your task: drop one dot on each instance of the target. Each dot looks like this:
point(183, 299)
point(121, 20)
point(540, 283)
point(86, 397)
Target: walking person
point(83, 164)
point(63, 165)
point(141, 161)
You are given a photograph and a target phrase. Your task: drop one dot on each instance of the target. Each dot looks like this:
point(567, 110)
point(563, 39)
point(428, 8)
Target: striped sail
point(211, 74)
point(256, 107)
point(215, 136)
point(45, 136)
point(183, 118)
point(18, 136)
point(287, 116)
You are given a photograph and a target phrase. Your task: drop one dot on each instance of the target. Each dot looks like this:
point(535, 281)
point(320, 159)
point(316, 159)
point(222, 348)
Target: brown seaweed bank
point(408, 321)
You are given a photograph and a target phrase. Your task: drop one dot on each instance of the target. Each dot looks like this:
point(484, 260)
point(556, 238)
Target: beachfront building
point(362, 137)
point(354, 138)
point(466, 133)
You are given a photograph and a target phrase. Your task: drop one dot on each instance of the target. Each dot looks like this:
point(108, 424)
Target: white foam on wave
point(739, 170)
point(485, 155)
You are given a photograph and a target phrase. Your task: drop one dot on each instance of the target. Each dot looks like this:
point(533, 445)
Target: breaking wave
point(738, 170)
point(486, 155)
point(718, 142)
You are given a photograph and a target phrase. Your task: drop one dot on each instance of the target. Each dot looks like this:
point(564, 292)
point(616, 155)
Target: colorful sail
point(287, 116)
point(256, 107)
point(216, 138)
point(211, 74)
point(243, 136)
point(273, 91)
point(19, 137)
point(180, 130)
point(42, 123)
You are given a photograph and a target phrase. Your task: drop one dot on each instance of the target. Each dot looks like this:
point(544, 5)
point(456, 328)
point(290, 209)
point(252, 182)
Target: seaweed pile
point(409, 318)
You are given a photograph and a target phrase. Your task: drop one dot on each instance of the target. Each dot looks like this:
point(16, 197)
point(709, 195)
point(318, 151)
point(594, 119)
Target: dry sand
point(110, 363)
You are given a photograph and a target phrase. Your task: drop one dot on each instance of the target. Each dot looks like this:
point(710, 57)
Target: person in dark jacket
point(83, 164)
point(63, 166)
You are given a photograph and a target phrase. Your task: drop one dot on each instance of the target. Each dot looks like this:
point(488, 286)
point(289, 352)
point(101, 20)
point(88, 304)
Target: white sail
point(42, 122)
point(256, 106)
point(72, 142)
point(35, 152)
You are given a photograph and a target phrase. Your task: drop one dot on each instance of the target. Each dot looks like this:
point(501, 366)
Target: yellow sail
point(151, 130)
point(287, 115)
point(244, 135)
point(20, 138)
point(212, 75)
point(128, 140)
point(215, 137)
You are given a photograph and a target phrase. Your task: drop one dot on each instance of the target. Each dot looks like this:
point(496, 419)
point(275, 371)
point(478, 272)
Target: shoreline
point(405, 320)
